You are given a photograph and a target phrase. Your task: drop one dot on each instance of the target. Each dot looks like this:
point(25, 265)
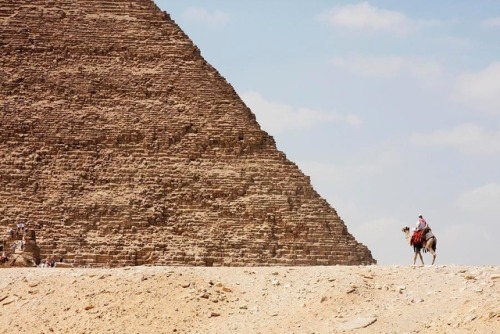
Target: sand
point(338, 299)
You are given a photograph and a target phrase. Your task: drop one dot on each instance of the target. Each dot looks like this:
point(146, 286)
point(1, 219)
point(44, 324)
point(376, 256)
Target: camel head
point(406, 231)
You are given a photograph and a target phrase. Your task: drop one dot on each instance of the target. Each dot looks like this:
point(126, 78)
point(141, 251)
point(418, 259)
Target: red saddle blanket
point(417, 238)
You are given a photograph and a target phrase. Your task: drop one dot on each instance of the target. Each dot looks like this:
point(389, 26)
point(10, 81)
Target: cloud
point(428, 71)
point(376, 229)
point(480, 90)
point(491, 22)
point(278, 117)
point(456, 42)
point(466, 138)
point(379, 233)
point(367, 167)
point(364, 17)
point(475, 224)
point(201, 15)
point(370, 66)
point(482, 200)
point(481, 247)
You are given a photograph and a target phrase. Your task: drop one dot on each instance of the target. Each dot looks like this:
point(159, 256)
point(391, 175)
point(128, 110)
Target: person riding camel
point(421, 223)
point(419, 231)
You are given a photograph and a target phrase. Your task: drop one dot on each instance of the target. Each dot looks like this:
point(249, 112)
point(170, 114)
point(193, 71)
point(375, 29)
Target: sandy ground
point(367, 299)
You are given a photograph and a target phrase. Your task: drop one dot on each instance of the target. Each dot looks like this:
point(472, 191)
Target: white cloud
point(370, 66)
point(378, 233)
point(456, 42)
point(480, 240)
point(428, 71)
point(201, 15)
point(377, 228)
point(466, 138)
point(425, 70)
point(491, 22)
point(278, 117)
point(364, 17)
point(481, 89)
point(482, 200)
point(369, 166)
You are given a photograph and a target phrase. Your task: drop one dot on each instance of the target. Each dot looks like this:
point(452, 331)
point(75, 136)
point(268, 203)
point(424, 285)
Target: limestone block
point(121, 145)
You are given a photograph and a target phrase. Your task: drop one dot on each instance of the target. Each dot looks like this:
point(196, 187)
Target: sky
point(391, 107)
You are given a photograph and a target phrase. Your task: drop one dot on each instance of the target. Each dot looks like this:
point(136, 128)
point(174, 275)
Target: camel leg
point(417, 253)
point(421, 258)
point(429, 248)
point(433, 255)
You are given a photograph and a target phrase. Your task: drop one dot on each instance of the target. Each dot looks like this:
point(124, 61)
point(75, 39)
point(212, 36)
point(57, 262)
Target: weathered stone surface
point(120, 145)
point(356, 323)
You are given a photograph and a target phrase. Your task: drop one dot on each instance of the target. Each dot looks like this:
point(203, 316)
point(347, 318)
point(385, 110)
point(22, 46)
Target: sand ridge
point(335, 299)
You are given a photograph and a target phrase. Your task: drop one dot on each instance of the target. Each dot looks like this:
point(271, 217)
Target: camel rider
point(421, 223)
point(418, 233)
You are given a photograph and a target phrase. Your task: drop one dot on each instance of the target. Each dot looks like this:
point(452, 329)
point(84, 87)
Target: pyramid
point(120, 145)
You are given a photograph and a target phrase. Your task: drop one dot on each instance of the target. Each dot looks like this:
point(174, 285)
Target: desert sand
point(334, 299)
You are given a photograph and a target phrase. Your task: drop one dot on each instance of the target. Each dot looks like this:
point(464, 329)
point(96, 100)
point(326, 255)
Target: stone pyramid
point(120, 145)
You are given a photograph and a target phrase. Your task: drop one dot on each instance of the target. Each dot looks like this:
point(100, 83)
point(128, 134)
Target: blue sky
point(391, 107)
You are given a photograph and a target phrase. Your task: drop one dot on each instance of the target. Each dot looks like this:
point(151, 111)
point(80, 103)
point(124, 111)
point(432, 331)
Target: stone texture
point(120, 145)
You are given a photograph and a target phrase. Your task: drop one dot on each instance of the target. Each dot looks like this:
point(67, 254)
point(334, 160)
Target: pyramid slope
point(121, 145)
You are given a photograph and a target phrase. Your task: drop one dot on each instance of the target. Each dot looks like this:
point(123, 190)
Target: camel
point(428, 244)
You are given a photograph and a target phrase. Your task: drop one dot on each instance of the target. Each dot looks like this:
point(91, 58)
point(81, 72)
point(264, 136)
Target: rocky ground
point(367, 299)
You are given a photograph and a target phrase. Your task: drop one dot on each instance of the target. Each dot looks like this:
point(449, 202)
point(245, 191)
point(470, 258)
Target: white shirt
point(421, 224)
